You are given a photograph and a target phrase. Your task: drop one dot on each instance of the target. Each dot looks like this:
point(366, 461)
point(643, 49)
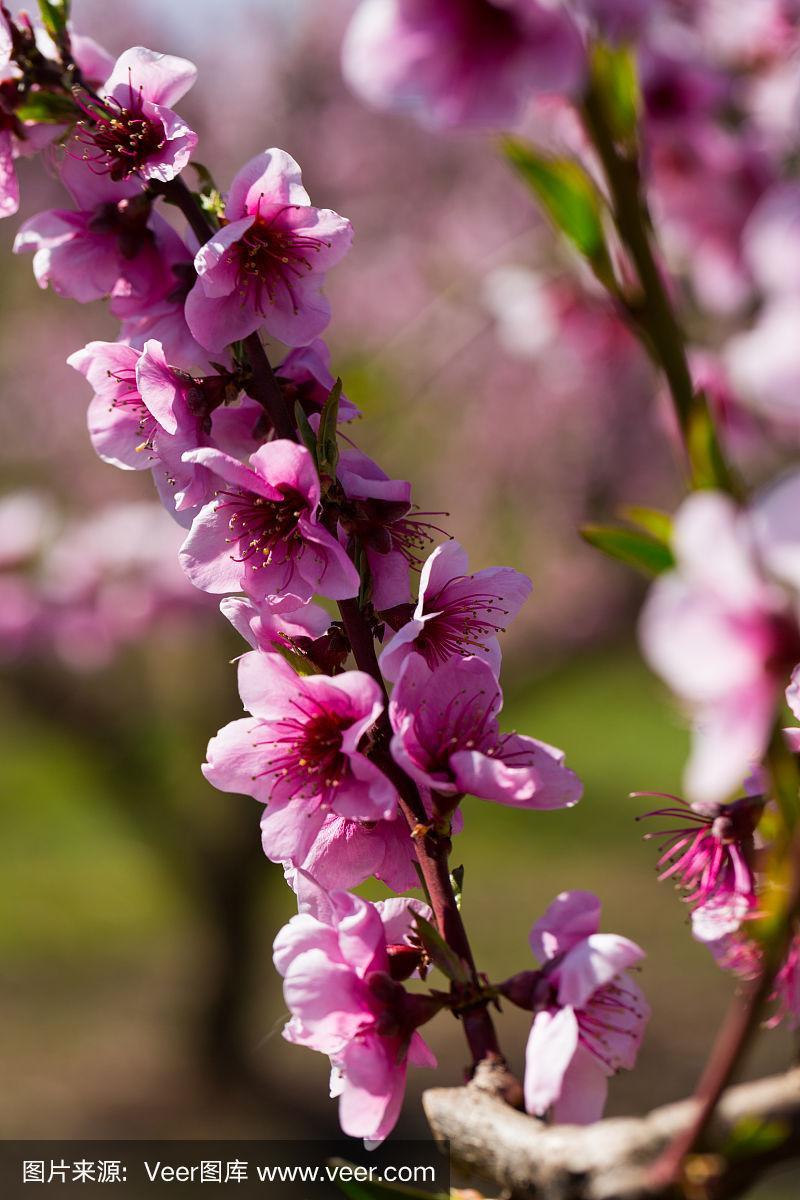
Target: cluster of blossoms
point(723, 630)
point(81, 590)
point(720, 94)
point(356, 781)
point(720, 91)
point(280, 511)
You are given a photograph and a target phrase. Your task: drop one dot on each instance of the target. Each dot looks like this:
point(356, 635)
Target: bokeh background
point(137, 995)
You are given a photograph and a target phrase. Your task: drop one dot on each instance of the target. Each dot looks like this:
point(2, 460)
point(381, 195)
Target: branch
point(609, 1160)
point(651, 313)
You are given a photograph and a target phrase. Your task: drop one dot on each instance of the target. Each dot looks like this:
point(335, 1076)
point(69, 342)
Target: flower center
point(465, 723)
point(117, 139)
point(485, 26)
point(130, 402)
point(708, 853)
point(260, 527)
point(307, 752)
point(463, 624)
point(127, 221)
point(272, 259)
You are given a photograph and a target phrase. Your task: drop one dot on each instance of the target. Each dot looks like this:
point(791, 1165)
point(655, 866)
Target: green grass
point(76, 878)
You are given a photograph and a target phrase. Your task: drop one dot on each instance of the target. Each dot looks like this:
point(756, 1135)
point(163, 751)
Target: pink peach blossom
point(112, 244)
point(130, 128)
point(305, 377)
point(457, 613)
point(722, 628)
point(446, 737)
point(140, 419)
point(344, 1003)
point(387, 525)
point(262, 533)
point(594, 1021)
point(460, 62)
point(266, 265)
point(300, 752)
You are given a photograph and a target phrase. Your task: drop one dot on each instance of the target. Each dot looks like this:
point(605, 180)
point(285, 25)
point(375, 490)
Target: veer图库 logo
point(135, 1170)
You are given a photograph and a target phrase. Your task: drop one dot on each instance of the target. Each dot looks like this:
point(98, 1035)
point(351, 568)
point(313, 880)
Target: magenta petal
point(303, 932)
point(298, 322)
point(268, 685)
point(206, 558)
point(552, 1043)
point(235, 761)
point(218, 322)
point(283, 461)
point(288, 831)
point(116, 436)
point(541, 782)
point(390, 578)
point(9, 185)
point(398, 648)
point(361, 935)
point(572, 917)
point(217, 261)
point(231, 470)
point(163, 78)
point(584, 1091)
point(374, 1085)
point(273, 176)
point(326, 997)
point(397, 914)
point(157, 385)
point(592, 963)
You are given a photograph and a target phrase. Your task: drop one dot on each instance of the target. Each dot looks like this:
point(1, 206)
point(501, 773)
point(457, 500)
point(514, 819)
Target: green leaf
point(46, 108)
point(205, 178)
point(631, 547)
point(306, 432)
point(457, 883)
point(299, 664)
point(653, 520)
point(709, 469)
point(327, 440)
point(569, 197)
point(372, 1189)
point(755, 1135)
point(441, 955)
point(617, 87)
point(55, 16)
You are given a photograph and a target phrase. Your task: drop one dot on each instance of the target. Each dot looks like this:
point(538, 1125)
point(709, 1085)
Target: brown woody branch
point(612, 1159)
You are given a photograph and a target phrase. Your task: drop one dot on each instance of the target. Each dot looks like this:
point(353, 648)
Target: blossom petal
point(572, 917)
point(592, 963)
point(583, 1091)
point(163, 78)
point(552, 1043)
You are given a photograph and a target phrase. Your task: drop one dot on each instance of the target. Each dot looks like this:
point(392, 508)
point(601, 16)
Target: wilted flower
point(709, 855)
